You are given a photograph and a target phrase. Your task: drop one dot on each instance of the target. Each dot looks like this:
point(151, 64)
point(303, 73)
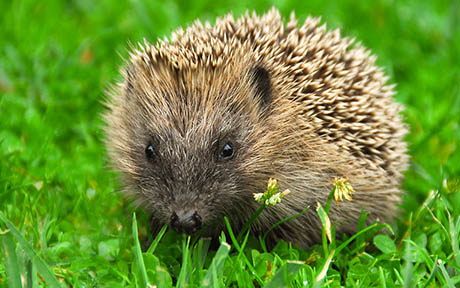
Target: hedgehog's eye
point(150, 152)
point(227, 151)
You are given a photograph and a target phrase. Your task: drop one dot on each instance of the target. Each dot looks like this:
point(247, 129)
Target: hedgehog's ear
point(261, 81)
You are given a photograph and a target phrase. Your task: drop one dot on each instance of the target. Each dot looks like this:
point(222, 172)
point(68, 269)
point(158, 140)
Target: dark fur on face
point(176, 153)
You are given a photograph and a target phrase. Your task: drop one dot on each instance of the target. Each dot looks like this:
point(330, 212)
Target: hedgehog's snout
point(183, 221)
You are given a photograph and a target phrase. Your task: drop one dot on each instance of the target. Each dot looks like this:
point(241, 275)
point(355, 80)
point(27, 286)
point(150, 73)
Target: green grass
point(61, 218)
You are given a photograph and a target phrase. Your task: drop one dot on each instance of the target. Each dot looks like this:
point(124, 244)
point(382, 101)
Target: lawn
point(62, 221)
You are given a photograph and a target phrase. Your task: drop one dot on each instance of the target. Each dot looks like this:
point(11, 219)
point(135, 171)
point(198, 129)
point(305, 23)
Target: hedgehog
point(199, 123)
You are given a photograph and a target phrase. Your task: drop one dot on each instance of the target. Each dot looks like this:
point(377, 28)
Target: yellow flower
point(272, 186)
point(342, 190)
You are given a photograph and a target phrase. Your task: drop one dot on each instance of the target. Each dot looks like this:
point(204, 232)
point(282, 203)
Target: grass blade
point(433, 273)
point(200, 251)
point(454, 229)
point(238, 247)
point(40, 264)
point(445, 274)
point(138, 255)
point(217, 265)
point(281, 277)
point(322, 274)
point(251, 220)
point(285, 220)
point(182, 278)
point(370, 227)
point(408, 268)
point(361, 224)
point(31, 275)
point(157, 239)
point(13, 274)
point(326, 227)
point(382, 278)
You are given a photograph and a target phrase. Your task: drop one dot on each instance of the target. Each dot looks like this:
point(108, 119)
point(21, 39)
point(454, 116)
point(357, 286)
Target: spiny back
point(331, 87)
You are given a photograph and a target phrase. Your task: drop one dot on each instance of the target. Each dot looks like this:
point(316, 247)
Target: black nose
point(185, 221)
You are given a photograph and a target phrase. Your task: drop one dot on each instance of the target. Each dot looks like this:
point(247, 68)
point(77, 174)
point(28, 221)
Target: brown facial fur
point(299, 104)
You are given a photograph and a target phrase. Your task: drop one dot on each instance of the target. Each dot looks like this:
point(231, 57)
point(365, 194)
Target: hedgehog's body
point(200, 123)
